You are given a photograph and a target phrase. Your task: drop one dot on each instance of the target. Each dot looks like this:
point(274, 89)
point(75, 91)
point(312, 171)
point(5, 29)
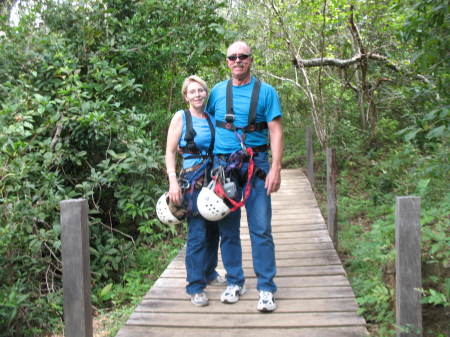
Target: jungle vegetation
point(87, 89)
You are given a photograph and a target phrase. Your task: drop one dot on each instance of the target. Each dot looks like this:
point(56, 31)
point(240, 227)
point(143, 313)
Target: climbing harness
point(229, 116)
point(195, 181)
point(168, 212)
point(189, 136)
point(224, 187)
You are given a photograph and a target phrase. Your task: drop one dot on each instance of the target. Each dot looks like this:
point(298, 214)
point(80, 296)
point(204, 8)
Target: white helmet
point(210, 205)
point(164, 213)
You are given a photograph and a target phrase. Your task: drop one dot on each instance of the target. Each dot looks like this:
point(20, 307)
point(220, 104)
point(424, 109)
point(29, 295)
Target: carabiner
point(218, 173)
point(241, 139)
point(184, 183)
point(214, 172)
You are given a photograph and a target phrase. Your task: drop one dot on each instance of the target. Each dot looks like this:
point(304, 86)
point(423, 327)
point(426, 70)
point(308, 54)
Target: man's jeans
point(259, 217)
point(201, 250)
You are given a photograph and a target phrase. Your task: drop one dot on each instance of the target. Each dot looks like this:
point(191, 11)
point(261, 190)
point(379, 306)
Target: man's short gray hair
point(239, 42)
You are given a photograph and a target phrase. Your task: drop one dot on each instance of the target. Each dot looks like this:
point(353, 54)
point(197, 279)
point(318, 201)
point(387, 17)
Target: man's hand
point(273, 180)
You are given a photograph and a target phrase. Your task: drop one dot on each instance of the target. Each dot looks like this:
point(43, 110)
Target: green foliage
point(374, 248)
point(400, 149)
point(426, 30)
point(86, 93)
point(85, 99)
point(366, 212)
point(434, 297)
point(120, 299)
point(427, 24)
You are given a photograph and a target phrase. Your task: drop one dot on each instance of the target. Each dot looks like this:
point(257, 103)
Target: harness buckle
point(184, 183)
point(251, 127)
point(228, 126)
point(229, 118)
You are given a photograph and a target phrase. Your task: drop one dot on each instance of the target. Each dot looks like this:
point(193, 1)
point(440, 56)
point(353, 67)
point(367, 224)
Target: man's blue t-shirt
point(202, 138)
point(268, 109)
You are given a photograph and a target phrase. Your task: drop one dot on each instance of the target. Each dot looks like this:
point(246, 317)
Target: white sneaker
point(266, 302)
point(200, 299)
point(232, 293)
point(218, 281)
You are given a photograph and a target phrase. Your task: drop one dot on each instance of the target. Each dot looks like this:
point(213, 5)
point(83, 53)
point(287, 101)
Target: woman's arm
point(173, 137)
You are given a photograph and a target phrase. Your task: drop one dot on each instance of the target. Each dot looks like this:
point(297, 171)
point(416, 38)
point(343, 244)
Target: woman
point(192, 132)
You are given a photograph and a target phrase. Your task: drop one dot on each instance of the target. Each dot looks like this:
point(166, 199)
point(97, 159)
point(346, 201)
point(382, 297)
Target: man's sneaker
point(266, 302)
point(200, 299)
point(218, 281)
point(232, 293)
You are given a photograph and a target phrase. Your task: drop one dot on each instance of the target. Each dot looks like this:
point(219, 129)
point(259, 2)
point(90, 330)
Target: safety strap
point(191, 147)
point(218, 189)
point(189, 184)
point(198, 172)
point(190, 133)
point(252, 125)
point(213, 135)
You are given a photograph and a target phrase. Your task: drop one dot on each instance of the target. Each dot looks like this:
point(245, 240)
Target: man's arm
point(273, 179)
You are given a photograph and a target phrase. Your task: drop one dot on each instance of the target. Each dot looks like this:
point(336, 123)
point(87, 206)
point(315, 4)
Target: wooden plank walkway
point(314, 296)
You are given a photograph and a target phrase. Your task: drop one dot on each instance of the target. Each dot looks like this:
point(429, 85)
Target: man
point(231, 105)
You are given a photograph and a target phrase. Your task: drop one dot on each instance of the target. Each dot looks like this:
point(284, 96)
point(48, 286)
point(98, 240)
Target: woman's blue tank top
point(202, 138)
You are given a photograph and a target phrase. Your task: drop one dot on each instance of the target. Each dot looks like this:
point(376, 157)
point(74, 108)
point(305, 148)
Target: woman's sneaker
point(218, 281)
point(200, 299)
point(232, 293)
point(266, 302)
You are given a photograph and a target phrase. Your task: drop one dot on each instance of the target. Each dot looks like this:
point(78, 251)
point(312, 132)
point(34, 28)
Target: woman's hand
point(174, 191)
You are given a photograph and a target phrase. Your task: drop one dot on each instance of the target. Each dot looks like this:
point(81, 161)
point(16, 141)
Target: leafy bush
point(85, 100)
point(368, 214)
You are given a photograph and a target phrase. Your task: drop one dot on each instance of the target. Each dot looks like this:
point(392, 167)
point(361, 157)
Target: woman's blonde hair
point(188, 80)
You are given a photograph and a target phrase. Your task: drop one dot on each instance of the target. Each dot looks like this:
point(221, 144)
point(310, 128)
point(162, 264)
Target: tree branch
point(336, 62)
point(355, 32)
point(118, 231)
point(285, 31)
point(345, 63)
point(280, 78)
point(59, 126)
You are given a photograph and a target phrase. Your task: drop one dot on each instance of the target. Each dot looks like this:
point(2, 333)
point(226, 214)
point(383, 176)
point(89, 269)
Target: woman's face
point(195, 95)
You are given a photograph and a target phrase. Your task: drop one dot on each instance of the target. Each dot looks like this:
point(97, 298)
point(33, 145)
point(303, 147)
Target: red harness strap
point(218, 189)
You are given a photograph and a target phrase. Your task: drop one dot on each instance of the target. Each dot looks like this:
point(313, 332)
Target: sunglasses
point(239, 56)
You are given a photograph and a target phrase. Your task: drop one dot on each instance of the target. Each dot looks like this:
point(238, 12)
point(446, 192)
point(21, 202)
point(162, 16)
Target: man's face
point(240, 67)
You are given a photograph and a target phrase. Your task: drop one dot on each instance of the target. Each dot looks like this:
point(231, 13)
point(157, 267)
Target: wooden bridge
point(314, 296)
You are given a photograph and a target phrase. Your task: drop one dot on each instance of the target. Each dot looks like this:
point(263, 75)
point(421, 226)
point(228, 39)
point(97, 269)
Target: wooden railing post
point(309, 156)
point(76, 269)
point(331, 195)
point(408, 267)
